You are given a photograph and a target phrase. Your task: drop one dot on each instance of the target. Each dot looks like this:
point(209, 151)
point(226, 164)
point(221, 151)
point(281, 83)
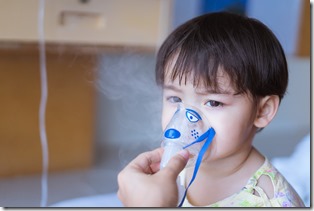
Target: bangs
point(197, 54)
point(200, 65)
point(194, 66)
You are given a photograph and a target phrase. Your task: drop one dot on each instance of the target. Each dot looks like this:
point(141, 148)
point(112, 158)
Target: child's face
point(231, 115)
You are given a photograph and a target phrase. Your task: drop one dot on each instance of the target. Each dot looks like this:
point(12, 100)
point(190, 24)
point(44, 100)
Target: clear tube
point(43, 103)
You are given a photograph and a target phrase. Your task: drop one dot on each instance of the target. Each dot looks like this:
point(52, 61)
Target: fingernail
point(184, 153)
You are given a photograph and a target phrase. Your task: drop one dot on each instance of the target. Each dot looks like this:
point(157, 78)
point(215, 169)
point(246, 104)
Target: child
point(233, 69)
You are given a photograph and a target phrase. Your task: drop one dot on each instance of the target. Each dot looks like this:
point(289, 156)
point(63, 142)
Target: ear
point(266, 110)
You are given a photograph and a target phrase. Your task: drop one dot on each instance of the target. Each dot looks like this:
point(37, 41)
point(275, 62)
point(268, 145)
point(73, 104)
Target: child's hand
point(141, 184)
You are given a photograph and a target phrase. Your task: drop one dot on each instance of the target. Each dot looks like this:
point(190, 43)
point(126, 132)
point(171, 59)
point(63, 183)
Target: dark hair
point(244, 47)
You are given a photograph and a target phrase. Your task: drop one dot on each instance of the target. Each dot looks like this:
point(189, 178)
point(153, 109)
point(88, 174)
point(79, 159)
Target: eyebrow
point(219, 92)
point(171, 87)
point(202, 92)
point(211, 91)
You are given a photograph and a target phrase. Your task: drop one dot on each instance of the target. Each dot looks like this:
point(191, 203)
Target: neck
point(216, 179)
point(231, 165)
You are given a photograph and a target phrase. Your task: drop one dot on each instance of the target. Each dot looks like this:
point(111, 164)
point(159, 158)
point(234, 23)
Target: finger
point(144, 161)
point(119, 194)
point(176, 164)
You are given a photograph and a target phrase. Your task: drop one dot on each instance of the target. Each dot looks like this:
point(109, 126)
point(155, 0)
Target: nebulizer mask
point(188, 129)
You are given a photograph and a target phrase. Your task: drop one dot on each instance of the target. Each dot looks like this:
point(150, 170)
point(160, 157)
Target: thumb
point(177, 163)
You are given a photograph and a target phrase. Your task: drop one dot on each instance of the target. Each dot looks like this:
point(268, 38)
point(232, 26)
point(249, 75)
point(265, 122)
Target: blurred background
point(103, 105)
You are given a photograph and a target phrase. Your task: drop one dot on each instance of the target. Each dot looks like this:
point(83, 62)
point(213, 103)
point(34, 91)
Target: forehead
point(222, 82)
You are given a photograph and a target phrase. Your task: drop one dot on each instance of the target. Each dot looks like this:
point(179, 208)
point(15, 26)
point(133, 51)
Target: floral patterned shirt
point(284, 194)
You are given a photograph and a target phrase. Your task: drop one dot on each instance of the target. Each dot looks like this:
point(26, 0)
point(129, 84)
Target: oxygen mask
point(188, 129)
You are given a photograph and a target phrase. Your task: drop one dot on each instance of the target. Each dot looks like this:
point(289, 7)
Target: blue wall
point(281, 16)
point(236, 6)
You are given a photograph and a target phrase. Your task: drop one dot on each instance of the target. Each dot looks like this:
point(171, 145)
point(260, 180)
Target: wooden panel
point(69, 118)
point(304, 42)
point(106, 22)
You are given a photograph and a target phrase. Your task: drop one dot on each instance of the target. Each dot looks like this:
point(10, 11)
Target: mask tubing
point(210, 136)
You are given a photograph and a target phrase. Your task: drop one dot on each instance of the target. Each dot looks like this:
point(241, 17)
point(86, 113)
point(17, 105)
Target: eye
point(174, 99)
point(192, 115)
point(213, 103)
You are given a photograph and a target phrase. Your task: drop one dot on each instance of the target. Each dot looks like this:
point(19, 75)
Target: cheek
point(163, 121)
point(233, 128)
point(229, 126)
point(228, 138)
point(166, 117)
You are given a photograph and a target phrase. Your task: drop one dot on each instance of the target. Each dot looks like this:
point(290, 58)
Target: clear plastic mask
point(187, 125)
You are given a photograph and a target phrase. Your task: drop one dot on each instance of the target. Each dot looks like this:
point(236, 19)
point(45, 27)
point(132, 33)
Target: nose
point(172, 133)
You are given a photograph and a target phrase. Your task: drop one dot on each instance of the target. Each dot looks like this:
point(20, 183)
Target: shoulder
point(264, 180)
point(271, 182)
